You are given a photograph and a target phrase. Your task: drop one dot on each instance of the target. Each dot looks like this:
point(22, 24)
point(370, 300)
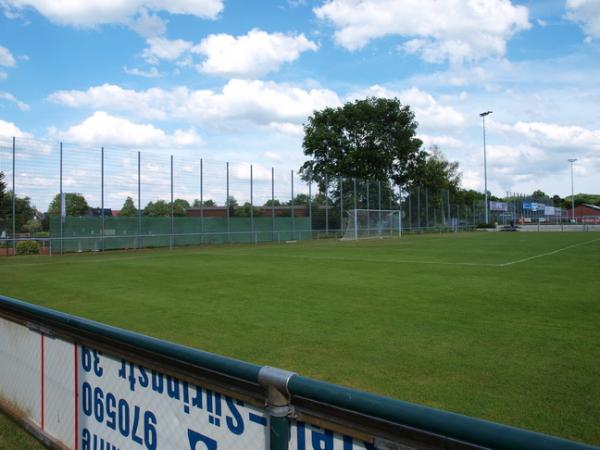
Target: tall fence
point(79, 384)
point(71, 198)
point(74, 198)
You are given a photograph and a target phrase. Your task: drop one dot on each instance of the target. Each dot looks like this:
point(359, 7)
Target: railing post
point(340, 182)
point(227, 206)
point(326, 208)
point(275, 381)
point(310, 205)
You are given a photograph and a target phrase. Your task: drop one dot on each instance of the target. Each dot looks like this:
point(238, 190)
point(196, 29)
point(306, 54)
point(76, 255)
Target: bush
point(486, 225)
point(28, 248)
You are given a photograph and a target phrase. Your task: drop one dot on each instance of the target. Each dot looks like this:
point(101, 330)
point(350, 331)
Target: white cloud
point(272, 156)
point(6, 57)
point(444, 142)
point(11, 98)
point(161, 48)
point(263, 103)
point(586, 13)
point(9, 129)
point(428, 111)
point(547, 135)
point(250, 55)
point(152, 73)
point(102, 128)
point(91, 13)
point(454, 30)
point(148, 25)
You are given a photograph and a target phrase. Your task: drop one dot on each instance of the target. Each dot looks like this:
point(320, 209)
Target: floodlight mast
point(483, 115)
point(572, 160)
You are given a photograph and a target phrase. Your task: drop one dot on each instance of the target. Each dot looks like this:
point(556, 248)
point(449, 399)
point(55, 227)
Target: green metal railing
point(288, 395)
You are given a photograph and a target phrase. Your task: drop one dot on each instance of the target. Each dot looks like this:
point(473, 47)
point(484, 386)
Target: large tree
point(76, 205)
point(24, 211)
point(372, 139)
point(128, 209)
point(437, 173)
point(3, 209)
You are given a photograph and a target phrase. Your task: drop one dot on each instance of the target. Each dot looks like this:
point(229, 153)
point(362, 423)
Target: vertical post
point(409, 211)
point(61, 200)
point(483, 115)
point(419, 207)
point(273, 202)
point(292, 202)
point(341, 183)
point(426, 208)
point(450, 212)
point(172, 208)
point(572, 160)
point(252, 199)
point(139, 199)
point(310, 205)
point(201, 200)
point(400, 211)
point(14, 198)
point(355, 212)
point(379, 205)
point(326, 208)
point(368, 209)
point(227, 204)
point(102, 194)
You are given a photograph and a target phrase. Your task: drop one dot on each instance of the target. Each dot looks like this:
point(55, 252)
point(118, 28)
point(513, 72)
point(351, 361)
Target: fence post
point(251, 199)
point(355, 211)
point(201, 200)
point(172, 207)
point(227, 206)
point(292, 202)
point(61, 200)
point(409, 211)
point(14, 199)
point(273, 203)
point(102, 194)
point(426, 208)
point(139, 209)
point(275, 381)
point(341, 183)
point(310, 205)
point(326, 207)
point(400, 211)
point(379, 201)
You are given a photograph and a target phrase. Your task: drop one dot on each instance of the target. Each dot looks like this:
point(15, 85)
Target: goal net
point(372, 224)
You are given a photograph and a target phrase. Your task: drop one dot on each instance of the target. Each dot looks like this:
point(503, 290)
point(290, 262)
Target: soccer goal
point(372, 224)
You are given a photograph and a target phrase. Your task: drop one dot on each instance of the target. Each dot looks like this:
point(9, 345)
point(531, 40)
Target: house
point(585, 213)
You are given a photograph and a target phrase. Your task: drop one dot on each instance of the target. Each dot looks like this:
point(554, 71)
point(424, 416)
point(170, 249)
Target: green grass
point(14, 437)
point(437, 320)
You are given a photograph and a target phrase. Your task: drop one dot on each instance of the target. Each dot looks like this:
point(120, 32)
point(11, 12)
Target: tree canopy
point(128, 209)
point(161, 208)
point(374, 138)
point(437, 172)
point(76, 205)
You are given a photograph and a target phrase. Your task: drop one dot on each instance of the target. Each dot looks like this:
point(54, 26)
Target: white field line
point(541, 255)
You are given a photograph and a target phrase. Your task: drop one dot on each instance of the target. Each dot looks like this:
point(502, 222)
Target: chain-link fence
point(70, 198)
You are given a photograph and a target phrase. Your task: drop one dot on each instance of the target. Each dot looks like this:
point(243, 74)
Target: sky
point(235, 80)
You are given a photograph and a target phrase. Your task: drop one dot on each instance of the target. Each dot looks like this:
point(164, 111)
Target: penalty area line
point(553, 252)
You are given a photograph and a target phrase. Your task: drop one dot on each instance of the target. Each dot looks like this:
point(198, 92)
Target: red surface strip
point(42, 381)
point(76, 399)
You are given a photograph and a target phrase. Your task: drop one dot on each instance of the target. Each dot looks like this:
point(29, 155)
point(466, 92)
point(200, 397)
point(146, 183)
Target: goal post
point(372, 224)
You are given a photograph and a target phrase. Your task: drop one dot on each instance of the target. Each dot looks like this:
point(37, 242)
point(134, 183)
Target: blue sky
point(235, 80)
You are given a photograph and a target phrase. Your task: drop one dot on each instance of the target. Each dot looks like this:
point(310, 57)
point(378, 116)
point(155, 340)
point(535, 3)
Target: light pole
point(572, 160)
point(483, 114)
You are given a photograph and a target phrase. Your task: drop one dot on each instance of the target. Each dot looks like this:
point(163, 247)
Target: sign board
point(87, 400)
point(550, 211)
point(498, 206)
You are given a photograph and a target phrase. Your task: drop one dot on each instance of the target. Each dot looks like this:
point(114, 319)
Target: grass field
point(503, 326)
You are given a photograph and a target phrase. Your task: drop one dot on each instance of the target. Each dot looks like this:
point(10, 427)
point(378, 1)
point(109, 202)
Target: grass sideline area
point(502, 326)
point(12, 436)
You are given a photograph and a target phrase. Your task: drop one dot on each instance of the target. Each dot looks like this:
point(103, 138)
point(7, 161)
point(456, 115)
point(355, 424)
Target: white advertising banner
point(87, 400)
